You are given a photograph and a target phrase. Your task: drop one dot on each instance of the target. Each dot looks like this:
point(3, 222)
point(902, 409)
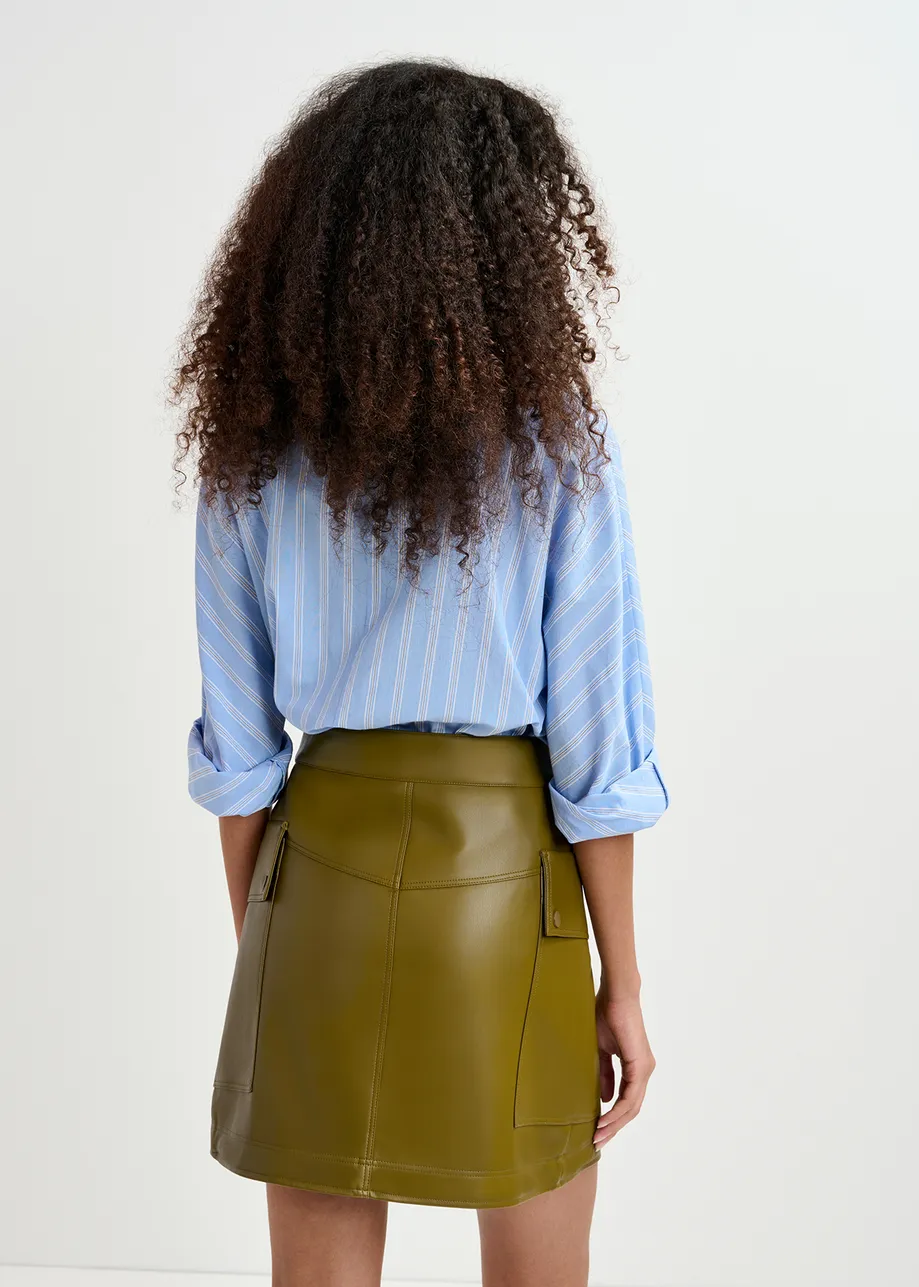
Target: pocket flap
point(266, 864)
point(563, 898)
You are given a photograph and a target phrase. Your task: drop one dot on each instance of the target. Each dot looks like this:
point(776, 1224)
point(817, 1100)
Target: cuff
point(632, 803)
point(234, 792)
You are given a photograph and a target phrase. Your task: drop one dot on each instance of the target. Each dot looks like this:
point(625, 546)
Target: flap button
point(556, 919)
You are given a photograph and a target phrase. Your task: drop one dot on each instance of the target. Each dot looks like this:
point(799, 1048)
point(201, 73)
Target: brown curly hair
point(404, 292)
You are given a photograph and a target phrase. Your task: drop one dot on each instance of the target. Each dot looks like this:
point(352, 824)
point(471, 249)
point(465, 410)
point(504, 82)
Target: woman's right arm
point(600, 732)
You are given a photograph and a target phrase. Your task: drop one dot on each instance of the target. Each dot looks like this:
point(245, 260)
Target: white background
point(758, 161)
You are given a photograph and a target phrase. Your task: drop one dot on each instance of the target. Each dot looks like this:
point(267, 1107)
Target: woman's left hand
point(621, 1032)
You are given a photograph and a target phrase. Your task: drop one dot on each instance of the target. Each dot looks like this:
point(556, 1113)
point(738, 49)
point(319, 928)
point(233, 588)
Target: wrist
point(619, 989)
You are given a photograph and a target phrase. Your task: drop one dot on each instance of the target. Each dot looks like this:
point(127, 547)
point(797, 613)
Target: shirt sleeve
point(238, 750)
point(599, 704)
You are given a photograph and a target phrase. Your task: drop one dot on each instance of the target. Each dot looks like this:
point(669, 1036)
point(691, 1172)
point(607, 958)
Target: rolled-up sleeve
point(599, 703)
point(238, 750)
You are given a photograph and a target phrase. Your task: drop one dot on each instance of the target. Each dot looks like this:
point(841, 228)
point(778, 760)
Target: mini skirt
point(411, 1014)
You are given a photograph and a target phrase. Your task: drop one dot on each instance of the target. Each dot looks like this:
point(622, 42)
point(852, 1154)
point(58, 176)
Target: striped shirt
point(548, 640)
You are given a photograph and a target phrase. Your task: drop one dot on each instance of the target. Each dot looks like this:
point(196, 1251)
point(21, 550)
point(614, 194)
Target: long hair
point(405, 292)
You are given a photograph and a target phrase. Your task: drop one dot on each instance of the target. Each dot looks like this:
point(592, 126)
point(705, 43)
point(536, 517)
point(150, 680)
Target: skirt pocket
point(236, 1059)
point(558, 1080)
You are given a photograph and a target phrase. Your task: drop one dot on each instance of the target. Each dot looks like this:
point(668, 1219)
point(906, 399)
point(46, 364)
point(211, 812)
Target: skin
point(319, 1240)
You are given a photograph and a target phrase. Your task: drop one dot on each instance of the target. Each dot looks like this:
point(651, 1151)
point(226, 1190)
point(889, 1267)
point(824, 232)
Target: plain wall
point(758, 162)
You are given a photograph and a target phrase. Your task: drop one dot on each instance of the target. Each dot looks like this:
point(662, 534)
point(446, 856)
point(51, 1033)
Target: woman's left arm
point(238, 750)
point(240, 839)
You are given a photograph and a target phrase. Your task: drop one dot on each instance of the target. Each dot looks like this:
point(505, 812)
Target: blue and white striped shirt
point(548, 640)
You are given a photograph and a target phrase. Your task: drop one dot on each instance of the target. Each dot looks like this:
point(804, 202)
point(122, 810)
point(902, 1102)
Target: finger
point(625, 1108)
point(622, 1111)
point(631, 1095)
point(607, 1077)
point(604, 1137)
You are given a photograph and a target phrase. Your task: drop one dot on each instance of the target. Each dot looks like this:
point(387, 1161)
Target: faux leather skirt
point(411, 1015)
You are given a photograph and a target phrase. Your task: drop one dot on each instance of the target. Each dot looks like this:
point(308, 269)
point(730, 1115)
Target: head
point(405, 292)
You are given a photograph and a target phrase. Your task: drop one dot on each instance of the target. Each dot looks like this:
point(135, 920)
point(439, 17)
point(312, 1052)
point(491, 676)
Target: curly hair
point(405, 293)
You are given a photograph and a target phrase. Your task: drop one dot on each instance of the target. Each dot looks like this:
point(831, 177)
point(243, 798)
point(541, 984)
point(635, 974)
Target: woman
point(413, 544)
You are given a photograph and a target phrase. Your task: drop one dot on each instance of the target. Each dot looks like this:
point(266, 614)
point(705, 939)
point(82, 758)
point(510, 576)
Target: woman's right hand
point(621, 1033)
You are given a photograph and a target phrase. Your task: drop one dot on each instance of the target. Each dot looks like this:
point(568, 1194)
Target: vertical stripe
point(323, 520)
point(296, 616)
point(433, 637)
point(395, 587)
point(346, 608)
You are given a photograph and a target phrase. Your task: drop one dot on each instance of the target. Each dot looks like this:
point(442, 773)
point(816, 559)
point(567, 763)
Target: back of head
point(404, 293)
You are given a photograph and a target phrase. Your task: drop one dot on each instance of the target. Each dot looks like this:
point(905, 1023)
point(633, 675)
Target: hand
point(621, 1032)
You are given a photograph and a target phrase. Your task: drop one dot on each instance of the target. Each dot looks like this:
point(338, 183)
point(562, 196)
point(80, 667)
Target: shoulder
point(227, 523)
point(585, 477)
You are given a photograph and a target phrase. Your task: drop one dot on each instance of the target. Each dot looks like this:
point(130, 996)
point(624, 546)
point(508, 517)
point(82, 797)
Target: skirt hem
point(550, 1174)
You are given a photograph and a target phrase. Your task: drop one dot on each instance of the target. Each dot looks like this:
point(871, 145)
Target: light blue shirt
point(547, 640)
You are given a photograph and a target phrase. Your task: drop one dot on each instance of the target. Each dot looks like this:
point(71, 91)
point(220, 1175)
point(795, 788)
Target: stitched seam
point(518, 874)
point(340, 866)
point(519, 1120)
point(557, 1121)
point(529, 1009)
point(261, 979)
point(387, 985)
point(400, 1197)
point(264, 897)
point(521, 874)
point(549, 924)
point(386, 777)
point(382, 1164)
point(362, 1161)
point(561, 1158)
point(548, 910)
point(246, 1086)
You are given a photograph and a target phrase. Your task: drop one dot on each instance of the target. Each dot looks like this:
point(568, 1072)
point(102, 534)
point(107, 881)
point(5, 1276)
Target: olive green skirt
point(411, 1014)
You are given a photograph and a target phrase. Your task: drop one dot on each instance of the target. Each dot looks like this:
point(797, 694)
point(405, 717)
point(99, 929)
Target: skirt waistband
point(410, 755)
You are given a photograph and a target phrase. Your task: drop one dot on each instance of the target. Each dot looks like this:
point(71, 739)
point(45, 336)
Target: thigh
point(325, 1240)
point(543, 1242)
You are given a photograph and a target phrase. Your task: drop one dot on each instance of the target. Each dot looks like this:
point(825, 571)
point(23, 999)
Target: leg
point(542, 1242)
point(322, 1240)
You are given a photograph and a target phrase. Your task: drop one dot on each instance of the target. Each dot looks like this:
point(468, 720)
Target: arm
point(238, 750)
point(240, 839)
point(600, 733)
point(606, 871)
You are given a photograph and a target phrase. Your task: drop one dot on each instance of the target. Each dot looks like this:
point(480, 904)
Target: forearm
point(606, 872)
point(606, 868)
point(240, 839)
